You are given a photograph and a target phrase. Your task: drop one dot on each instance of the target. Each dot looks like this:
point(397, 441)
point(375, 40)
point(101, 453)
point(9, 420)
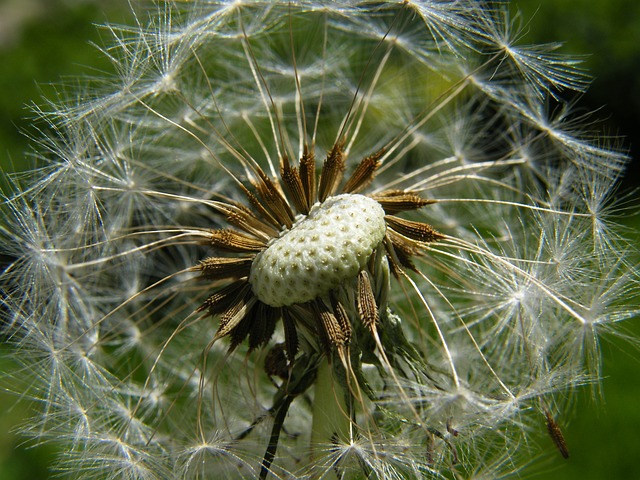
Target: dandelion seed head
point(381, 215)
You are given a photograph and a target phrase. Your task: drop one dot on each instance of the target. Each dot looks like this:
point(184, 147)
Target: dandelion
point(314, 240)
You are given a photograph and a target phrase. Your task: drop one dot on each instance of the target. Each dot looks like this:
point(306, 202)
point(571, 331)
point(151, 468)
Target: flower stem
point(331, 422)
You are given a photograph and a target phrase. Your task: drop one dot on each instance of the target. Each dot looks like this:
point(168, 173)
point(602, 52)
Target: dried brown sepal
point(293, 184)
point(263, 325)
point(222, 299)
point(555, 432)
point(290, 334)
point(222, 267)
point(245, 219)
point(397, 258)
point(330, 330)
point(236, 312)
point(275, 362)
point(410, 247)
point(364, 173)
point(232, 241)
point(308, 175)
point(396, 201)
point(342, 318)
point(404, 258)
point(332, 171)
point(274, 201)
point(265, 214)
point(418, 231)
point(366, 302)
point(240, 331)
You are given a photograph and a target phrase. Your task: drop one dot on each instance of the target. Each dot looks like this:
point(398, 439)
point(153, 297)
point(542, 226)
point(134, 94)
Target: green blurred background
point(42, 41)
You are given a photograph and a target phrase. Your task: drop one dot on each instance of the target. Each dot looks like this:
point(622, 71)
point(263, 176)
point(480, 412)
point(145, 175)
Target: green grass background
point(52, 39)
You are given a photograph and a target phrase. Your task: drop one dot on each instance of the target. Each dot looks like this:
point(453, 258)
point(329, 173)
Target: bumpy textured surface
point(322, 250)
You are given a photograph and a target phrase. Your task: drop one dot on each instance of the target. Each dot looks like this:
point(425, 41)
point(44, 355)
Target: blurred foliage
point(56, 41)
point(17, 460)
point(606, 34)
point(602, 435)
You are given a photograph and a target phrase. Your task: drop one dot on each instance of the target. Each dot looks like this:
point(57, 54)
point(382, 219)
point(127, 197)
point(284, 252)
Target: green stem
point(331, 422)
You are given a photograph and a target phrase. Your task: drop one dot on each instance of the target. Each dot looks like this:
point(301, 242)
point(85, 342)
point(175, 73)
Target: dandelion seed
point(556, 435)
